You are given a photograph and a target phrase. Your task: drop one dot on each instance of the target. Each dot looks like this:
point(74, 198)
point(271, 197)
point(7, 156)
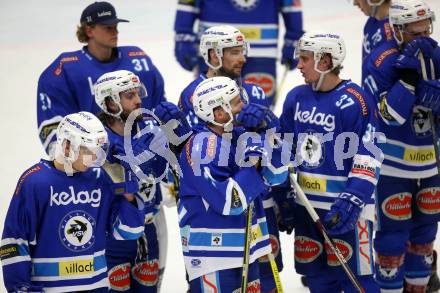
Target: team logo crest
point(245, 5)
point(311, 150)
point(76, 231)
point(420, 121)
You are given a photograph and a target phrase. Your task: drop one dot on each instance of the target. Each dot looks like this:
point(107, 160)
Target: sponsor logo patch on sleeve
point(384, 55)
point(59, 68)
point(136, 53)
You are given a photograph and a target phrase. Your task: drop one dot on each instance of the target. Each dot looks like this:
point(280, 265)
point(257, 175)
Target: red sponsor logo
point(275, 244)
point(24, 176)
point(146, 272)
point(306, 249)
point(59, 68)
point(263, 80)
point(361, 100)
point(421, 12)
point(119, 277)
point(398, 206)
point(384, 55)
point(428, 200)
point(212, 143)
point(345, 249)
point(364, 253)
point(134, 79)
point(364, 169)
point(239, 38)
point(136, 53)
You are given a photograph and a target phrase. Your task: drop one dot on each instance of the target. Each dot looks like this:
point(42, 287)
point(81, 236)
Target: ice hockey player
point(55, 229)
point(133, 265)
point(215, 194)
point(66, 86)
point(224, 50)
point(257, 20)
point(409, 186)
point(377, 28)
point(334, 123)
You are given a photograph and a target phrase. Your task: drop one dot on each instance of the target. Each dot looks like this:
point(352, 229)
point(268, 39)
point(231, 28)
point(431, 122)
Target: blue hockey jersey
point(66, 86)
point(214, 193)
point(55, 229)
point(376, 32)
point(409, 150)
point(321, 122)
point(256, 19)
point(148, 196)
point(254, 93)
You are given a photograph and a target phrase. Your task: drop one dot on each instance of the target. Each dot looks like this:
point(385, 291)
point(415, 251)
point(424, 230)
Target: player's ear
point(213, 58)
point(89, 30)
point(66, 146)
point(325, 63)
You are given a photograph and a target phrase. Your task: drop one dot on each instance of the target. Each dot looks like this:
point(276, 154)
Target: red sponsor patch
point(134, 79)
point(24, 176)
point(136, 53)
point(239, 38)
point(252, 287)
point(263, 80)
point(306, 249)
point(398, 206)
point(421, 12)
point(384, 55)
point(59, 68)
point(275, 244)
point(428, 200)
point(212, 143)
point(146, 272)
point(361, 100)
point(119, 277)
point(345, 249)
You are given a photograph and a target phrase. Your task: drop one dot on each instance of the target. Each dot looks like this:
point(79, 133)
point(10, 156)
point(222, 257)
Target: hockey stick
point(280, 86)
point(275, 273)
point(430, 114)
point(322, 229)
point(247, 248)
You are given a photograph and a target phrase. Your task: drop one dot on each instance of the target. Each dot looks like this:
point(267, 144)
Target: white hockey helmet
point(321, 44)
point(112, 84)
point(407, 11)
point(219, 37)
point(212, 93)
point(82, 129)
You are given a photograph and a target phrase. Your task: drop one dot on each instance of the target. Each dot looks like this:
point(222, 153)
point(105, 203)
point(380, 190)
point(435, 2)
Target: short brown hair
point(81, 33)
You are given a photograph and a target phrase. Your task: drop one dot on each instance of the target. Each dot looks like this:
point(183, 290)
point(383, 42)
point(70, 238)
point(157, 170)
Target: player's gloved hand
point(409, 58)
point(167, 111)
point(287, 53)
point(428, 94)
point(344, 214)
point(185, 50)
point(285, 200)
point(256, 117)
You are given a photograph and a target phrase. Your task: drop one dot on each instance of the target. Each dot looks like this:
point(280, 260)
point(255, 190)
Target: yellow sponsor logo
point(78, 267)
point(421, 155)
point(251, 33)
point(256, 233)
point(312, 184)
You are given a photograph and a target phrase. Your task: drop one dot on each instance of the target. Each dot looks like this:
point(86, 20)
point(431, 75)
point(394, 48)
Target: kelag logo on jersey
point(76, 231)
point(245, 5)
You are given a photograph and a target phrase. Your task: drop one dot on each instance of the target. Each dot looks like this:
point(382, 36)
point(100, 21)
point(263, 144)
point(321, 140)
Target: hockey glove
point(428, 94)
point(256, 117)
point(344, 214)
point(285, 202)
point(408, 59)
point(287, 53)
point(186, 50)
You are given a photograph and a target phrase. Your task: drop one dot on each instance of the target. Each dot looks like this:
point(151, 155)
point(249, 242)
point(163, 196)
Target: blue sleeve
point(55, 99)
point(127, 220)
point(159, 86)
point(256, 94)
point(366, 163)
point(225, 193)
point(19, 233)
point(186, 106)
point(394, 97)
point(293, 20)
point(187, 13)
